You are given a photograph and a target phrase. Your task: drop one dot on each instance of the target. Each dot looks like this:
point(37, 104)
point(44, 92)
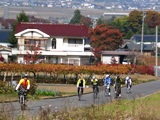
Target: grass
point(146, 108)
point(138, 109)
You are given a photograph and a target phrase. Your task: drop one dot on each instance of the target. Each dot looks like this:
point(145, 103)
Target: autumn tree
point(22, 17)
point(86, 21)
point(104, 37)
point(152, 18)
point(33, 54)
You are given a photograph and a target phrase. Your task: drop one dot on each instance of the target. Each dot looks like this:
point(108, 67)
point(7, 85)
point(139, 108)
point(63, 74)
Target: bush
point(33, 87)
point(46, 92)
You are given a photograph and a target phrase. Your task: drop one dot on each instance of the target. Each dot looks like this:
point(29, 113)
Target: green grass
point(147, 108)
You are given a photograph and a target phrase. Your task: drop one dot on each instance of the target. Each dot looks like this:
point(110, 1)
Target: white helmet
point(93, 77)
point(107, 75)
point(127, 78)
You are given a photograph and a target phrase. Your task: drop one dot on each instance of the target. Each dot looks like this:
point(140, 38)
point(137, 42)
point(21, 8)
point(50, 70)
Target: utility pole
point(156, 65)
point(143, 16)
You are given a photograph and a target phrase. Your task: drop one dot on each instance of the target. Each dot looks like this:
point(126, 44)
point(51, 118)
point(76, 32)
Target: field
point(40, 12)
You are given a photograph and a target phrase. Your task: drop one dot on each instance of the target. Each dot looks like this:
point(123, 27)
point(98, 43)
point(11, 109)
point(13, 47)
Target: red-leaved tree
point(103, 38)
point(33, 54)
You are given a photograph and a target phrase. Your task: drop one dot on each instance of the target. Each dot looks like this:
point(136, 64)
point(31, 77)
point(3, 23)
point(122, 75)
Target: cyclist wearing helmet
point(23, 83)
point(94, 82)
point(107, 82)
point(128, 81)
point(81, 83)
point(118, 84)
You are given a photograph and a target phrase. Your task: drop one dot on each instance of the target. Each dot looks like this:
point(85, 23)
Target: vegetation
point(104, 37)
point(45, 92)
point(22, 17)
point(80, 19)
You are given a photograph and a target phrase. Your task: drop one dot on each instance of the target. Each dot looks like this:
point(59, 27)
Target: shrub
point(46, 92)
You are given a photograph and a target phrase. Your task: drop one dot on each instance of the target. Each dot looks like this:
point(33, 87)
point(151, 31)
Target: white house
point(59, 43)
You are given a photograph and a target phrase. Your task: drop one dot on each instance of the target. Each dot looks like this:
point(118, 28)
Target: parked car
point(125, 61)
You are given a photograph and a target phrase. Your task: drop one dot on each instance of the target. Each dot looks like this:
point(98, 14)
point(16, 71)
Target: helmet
point(107, 75)
point(26, 75)
point(127, 77)
point(93, 77)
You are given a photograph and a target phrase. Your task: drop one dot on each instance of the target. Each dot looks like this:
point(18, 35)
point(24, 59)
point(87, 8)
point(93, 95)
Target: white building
point(59, 43)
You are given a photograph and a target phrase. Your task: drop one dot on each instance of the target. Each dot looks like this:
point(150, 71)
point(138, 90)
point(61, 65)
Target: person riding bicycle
point(118, 84)
point(24, 83)
point(128, 82)
point(81, 83)
point(94, 82)
point(107, 82)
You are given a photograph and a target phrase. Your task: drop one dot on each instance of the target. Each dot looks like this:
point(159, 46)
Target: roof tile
point(55, 29)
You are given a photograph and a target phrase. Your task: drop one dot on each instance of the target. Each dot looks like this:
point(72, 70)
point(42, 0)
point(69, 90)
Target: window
point(75, 41)
point(54, 43)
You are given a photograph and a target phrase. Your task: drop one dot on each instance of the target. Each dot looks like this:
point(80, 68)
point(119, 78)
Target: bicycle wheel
point(22, 102)
point(118, 89)
point(105, 91)
point(95, 93)
point(80, 94)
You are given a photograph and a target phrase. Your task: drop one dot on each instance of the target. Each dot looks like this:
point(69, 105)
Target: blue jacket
point(107, 80)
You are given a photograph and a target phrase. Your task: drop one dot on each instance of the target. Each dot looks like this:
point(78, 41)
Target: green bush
point(46, 92)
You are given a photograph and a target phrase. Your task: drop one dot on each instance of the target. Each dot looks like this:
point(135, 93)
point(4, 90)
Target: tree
point(86, 21)
point(76, 18)
point(32, 55)
point(1, 58)
point(104, 37)
point(135, 21)
point(22, 17)
point(152, 19)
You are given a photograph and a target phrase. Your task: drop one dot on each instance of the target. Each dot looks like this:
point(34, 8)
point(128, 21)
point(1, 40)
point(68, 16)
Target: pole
point(142, 33)
point(156, 51)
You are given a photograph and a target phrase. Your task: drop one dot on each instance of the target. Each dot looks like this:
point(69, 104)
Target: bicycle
point(117, 90)
point(95, 92)
point(22, 98)
point(106, 89)
point(128, 88)
point(80, 93)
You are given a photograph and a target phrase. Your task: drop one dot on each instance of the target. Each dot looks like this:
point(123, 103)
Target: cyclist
point(128, 82)
point(94, 82)
point(23, 83)
point(81, 83)
point(118, 84)
point(107, 83)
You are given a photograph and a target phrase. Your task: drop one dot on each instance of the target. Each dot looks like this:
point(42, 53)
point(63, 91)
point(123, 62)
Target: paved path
point(87, 99)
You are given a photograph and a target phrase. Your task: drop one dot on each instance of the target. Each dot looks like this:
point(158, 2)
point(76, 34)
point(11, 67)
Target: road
point(67, 103)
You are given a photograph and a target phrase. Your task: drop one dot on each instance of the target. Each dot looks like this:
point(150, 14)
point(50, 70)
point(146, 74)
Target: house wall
point(64, 52)
point(107, 59)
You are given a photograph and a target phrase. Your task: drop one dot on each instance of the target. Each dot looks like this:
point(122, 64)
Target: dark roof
point(55, 29)
point(137, 47)
point(4, 35)
point(118, 53)
point(146, 38)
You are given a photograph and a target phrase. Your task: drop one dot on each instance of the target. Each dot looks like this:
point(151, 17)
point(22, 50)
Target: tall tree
point(76, 18)
point(135, 21)
point(104, 37)
point(22, 17)
point(152, 19)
